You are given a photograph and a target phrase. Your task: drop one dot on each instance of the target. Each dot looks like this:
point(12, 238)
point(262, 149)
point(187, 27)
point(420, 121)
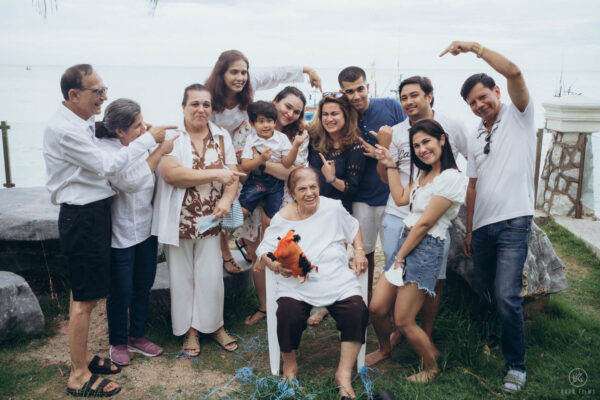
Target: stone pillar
point(571, 120)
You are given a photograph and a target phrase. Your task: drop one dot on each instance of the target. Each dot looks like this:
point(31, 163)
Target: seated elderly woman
point(335, 285)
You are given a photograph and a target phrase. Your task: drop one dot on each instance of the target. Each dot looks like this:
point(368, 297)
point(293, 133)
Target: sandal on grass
point(224, 339)
point(191, 342)
point(514, 380)
point(87, 391)
point(262, 315)
point(235, 269)
point(241, 245)
point(105, 369)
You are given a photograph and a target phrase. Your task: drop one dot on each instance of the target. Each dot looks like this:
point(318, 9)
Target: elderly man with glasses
point(76, 171)
point(500, 196)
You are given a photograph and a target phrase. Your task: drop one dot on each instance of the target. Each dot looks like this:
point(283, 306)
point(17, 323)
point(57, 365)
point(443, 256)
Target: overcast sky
point(320, 33)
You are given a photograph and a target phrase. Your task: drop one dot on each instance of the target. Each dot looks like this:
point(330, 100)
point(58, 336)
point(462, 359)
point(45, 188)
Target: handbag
point(235, 218)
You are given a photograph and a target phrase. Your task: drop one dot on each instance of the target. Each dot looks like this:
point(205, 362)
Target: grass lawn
point(564, 337)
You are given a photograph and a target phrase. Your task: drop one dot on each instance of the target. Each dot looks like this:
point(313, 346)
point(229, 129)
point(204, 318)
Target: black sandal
point(104, 369)
point(236, 268)
point(87, 391)
point(242, 248)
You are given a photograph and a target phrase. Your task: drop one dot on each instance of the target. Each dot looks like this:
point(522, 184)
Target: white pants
point(196, 281)
point(370, 219)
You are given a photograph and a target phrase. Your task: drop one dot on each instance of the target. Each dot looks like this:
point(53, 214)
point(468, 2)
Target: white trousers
point(196, 281)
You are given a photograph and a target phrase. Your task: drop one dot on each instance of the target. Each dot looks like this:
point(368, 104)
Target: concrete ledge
point(587, 230)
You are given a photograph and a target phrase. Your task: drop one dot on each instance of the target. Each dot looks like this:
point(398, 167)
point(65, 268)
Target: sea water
point(29, 97)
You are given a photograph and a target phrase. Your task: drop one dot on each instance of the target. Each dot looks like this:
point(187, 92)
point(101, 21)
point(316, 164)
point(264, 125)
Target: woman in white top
point(197, 184)
point(232, 88)
point(434, 197)
point(133, 249)
point(289, 103)
point(324, 227)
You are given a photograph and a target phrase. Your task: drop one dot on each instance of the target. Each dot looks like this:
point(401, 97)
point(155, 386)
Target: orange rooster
point(290, 254)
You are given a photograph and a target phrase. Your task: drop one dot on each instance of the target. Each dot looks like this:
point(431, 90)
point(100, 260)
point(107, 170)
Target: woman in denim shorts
point(434, 195)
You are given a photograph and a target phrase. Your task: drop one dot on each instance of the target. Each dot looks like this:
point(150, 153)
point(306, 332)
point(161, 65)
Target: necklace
point(300, 214)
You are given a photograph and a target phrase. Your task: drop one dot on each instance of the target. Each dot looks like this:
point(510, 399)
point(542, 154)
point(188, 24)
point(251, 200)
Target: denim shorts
point(423, 264)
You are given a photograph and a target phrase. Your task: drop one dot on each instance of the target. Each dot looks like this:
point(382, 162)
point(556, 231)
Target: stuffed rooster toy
point(290, 254)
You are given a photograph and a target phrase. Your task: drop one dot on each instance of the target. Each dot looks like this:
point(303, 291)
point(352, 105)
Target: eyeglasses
point(335, 95)
point(488, 137)
point(359, 89)
point(97, 91)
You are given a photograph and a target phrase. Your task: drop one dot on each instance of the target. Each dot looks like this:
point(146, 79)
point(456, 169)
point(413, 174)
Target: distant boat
point(28, 68)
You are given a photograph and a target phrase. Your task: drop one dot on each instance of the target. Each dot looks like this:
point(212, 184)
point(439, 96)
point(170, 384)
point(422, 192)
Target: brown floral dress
point(200, 201)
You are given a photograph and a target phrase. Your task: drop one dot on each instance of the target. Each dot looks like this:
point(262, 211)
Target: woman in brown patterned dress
point(198, 182)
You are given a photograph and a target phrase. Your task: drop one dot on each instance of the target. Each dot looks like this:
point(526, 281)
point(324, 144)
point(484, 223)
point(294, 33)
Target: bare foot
point(317, 317)
point(290, 369)
point(376, 356)
point(423, 376)
point(395, 337)
point(258, 315)
point(344, 383)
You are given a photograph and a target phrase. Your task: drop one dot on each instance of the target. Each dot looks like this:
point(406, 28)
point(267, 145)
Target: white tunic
point(131, 209)
point(323, 236)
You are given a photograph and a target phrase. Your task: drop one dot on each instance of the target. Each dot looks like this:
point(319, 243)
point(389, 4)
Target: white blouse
point(131, 209)
point(323, 236)
point(450, 184)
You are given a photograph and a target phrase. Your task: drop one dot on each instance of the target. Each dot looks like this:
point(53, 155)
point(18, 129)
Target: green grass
point(565, 336)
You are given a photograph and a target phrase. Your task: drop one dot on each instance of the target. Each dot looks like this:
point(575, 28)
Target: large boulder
point(543, 273)
point(19, 308)
point(29, 233)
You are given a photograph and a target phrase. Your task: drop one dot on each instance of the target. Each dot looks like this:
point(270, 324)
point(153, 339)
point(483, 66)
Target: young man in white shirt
point(416, 98)
point(500, 196)
point(76, 171)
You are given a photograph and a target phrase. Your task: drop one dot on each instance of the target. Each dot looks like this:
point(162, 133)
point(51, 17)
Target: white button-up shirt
point(131, 209)
point(76, 168)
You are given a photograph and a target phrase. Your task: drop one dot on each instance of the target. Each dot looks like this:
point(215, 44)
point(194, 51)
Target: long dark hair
point(297, 126)
point(217, 86)
point(434, 129)
point(319, 138)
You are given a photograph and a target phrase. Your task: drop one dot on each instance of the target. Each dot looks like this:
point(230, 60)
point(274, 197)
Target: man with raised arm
point(369, 202)
point(416, 98)
point(76, 171)
point(500, 196)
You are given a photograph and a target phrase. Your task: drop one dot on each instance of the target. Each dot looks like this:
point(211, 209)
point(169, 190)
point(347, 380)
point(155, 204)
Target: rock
point(570, 138)
point(19, 308)
point(561, 204)
point(29, 233)
point(27, 214)
point(556, 153)
point(543, 273)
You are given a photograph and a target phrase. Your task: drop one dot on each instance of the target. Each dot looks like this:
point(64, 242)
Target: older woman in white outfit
point(325, 228)
point(198, 182)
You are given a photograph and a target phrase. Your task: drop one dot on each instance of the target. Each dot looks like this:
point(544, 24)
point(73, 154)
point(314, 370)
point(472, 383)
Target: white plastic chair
point(274, 351)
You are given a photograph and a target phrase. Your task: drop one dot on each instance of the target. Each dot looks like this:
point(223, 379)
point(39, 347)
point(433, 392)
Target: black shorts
point(85, 236)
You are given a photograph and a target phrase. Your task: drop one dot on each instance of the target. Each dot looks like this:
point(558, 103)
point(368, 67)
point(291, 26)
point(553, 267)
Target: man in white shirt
point(76, 171)
point(416, 98)
point(500, 198)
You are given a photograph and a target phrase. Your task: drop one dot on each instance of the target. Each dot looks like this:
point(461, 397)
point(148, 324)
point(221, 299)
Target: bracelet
point(480, 51)
point(331, 181)
point(359, 248)
point(400, 261)
point(468, 233)
point(386, 168)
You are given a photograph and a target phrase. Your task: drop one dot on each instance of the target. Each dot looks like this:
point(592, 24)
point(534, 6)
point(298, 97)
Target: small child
point(271, 145)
